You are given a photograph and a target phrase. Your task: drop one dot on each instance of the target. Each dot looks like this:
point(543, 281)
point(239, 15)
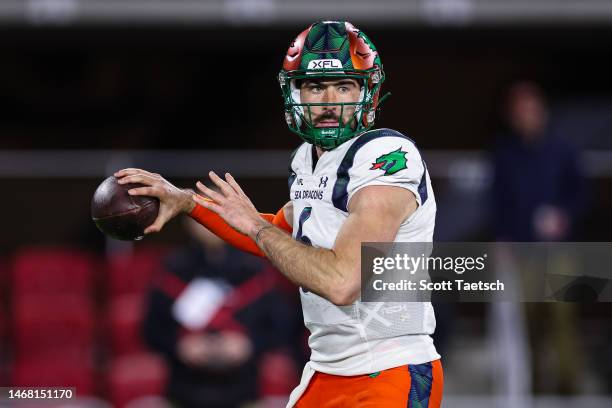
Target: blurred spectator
point(213, 314)
point(539, 194)
point(539, 190)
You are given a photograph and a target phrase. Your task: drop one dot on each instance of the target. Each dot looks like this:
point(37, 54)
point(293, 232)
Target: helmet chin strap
point(382, 99)
point(372, 114)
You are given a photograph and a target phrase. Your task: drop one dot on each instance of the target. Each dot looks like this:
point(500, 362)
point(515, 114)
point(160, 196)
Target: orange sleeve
point(220, 228)
point(281, 222)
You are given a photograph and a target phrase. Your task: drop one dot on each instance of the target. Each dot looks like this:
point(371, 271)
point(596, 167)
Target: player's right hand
point(172, 200)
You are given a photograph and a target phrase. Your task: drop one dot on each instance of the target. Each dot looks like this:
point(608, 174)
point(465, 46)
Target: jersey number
point(304, 215)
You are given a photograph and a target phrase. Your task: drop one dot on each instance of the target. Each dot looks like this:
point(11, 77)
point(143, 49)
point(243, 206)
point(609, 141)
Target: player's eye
point(343, 89)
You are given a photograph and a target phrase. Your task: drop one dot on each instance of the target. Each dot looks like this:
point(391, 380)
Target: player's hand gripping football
point(172, 200)
point(231, 203)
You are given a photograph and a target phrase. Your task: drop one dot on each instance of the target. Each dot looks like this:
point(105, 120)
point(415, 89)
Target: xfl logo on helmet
point(324, 63)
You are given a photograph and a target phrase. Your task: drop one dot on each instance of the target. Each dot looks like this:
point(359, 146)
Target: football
point(120, 215)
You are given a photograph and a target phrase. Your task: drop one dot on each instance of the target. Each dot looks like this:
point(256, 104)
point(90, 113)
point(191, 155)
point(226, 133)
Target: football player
point(348, 184)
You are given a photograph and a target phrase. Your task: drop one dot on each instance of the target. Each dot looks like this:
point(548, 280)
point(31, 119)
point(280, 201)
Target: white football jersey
point(364, 337)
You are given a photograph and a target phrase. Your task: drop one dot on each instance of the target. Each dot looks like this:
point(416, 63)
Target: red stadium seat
point(124, 317)
point(40, 270)
point(278, 375)
point(3, 302)
point(52, 324)
point(150, 402)
point(4, 279)
point(3, 345)
point(131, 273)
point(135, 376)
point(3, 320)
point(54, 371)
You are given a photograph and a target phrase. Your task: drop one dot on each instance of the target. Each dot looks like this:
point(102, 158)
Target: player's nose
point(330, 96)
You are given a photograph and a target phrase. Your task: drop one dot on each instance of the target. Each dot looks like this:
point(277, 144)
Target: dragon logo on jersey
point(391, 162)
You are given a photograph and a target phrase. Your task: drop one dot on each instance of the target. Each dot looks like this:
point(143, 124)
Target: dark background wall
point(215, 88)
point(185, 88)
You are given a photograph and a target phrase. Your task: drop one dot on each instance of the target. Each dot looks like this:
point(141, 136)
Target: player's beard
point(331, 119)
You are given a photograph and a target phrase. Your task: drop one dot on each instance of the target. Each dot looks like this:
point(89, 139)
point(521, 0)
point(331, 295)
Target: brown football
point(120, 215)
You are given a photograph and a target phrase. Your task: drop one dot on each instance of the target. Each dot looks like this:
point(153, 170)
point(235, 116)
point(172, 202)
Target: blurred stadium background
point(184, 86)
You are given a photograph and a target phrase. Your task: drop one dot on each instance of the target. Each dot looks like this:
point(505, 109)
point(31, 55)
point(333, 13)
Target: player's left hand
point(231, 203)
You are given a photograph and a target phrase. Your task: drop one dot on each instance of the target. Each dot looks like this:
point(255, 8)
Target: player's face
point(330, 90)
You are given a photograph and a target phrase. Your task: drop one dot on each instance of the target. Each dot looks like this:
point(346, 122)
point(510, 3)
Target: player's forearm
point(316, 269)
point(217, 225)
